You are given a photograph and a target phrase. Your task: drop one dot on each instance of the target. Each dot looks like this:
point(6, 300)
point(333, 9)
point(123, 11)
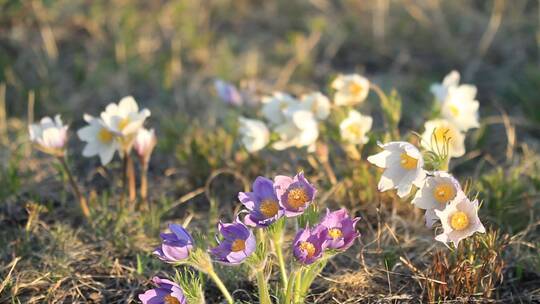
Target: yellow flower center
point(459, 221)
point(355, 130)
point(105, 136)
point(123, 123)
point(308, 247)
point(297, 197)
point(408, 162)
point(168, 299)
point(269, 208)
point(355, 89)
point(238, 245)
point(454, 110)
point(335, 233)
point(443, 135)
point(444, 192)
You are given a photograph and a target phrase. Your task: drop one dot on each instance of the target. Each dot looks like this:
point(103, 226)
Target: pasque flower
point(49, 136)
point(442, 137)
point(294, 194)
point(166, 292)
point(99, 139)
point(309, 244)
point(438, 189)
point(144, 144)
point(402, 164)
point(255, 134)
point(262, 203)
point(341, 229)
point(275, 106)
point(176, 246)
point(350, 89)
point(459, 220)
point(300, 130)
point(354, 128)
point(238, 243)
point(317, 103)
point(228, 93)
point(124, 118)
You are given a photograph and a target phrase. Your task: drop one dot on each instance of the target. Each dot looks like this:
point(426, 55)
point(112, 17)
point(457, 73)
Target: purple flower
point(228, 93)
point(341, 232)
point(238, 243)
point(309, 244)
point(295, 194)
point(262, 203)
point(175, 246)
point(166, 292)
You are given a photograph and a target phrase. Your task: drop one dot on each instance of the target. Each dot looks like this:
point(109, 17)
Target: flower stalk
point(213, 275)
point(82, 200)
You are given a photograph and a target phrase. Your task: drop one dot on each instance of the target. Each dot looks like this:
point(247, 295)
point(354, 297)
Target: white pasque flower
point(441, 137)
point(437, 190)
point(124, 119)
point(440, 90)
point(255, 134)
point(459, 220)
point(275, 106)
point(317, 103)
point(354, 128)
point(403, 167)
point(350, 89)
point(300, 131)
point(99, 139)
point(49, 136)
point(144, 143)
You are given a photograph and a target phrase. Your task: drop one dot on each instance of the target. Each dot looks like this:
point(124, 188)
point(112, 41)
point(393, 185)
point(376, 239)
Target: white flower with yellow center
point(440, 90)
point(354, 128)
point(402, 164)
point(275, 107)
point(442, 137)
point(255, 134)
point(124, 120)
point(99, 139)
point(438, 189)
point(459, 220)
point(300, 131)
point(350, 89)
point(317, 103)
point(49, 136)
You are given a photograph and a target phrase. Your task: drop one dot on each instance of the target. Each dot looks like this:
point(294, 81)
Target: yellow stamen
point(454, 110)
point(443, 134)
point(238, 245)
point(168, 299)
point(335, 233)
point(355, 130)
point(269, 208)
point(444, 192)
point(408, 162)
point(123, 123)
point(355, 89)
point(308, 247)
point(297, 197)
point(105, 136)
point(459, 221)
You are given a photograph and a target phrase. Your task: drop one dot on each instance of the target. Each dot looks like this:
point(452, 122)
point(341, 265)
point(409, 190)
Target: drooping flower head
point(402, 164)
point(350, 89)
point(176, 246)
point(49, 136)
point(144, 144)
point(341, 229)
point(459, 220)
point(438, 189)
point(99, 139)
point(309, 244)
point(262, 203)
point(294, 194)
point(442, 137)
point(238, 243)
point(228, 93)
point(255, 134)
point(354, 128)
point(166, 292)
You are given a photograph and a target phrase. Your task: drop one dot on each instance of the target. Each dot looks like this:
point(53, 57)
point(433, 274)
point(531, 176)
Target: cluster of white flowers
point(439, 193)
point(458, 113)
point(296, 120)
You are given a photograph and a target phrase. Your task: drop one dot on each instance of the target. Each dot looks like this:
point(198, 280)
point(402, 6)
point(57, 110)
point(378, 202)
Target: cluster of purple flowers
point(268, 202)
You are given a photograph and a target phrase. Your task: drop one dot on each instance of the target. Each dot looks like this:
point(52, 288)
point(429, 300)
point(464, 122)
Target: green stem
point(82, 200)
point(298, 287)
point(213, 275)
point(289, 290)
point(281, 261)
point(264, 295)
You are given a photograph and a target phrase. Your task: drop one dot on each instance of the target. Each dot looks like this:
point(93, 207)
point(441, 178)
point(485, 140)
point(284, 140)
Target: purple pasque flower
point(341, 229)
point(228, 93)
point(309, 244)
point(262, 203)
point(175, 246)
point(295, 194)
point(238, 243)
point(166, 292)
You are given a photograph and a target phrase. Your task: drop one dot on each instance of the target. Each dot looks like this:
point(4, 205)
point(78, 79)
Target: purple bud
point(238, 243)
point(262, 203)
point(295, 194)
point(166, 291)
point(341, 229)
point(175, 246)
point(228, 93)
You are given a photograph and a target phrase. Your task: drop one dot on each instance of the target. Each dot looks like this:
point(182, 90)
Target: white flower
point(441, 136)
point(99, 139)
point(353, 129)
point(403, 167)
point(437, 190)
point(440, 90)
point(275, 106)
point(49, 136)
point(350, 89)
point(144, 143)
point(459, 220)
point(255, 134)
point(317, 103)
point(124, 118)
point(300, 131)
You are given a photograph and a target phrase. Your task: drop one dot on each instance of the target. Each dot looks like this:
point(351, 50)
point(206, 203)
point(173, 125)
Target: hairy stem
point(82, 200)
point(213, 275)
point(278, 244)
point(144, 183)
point(130, 172)
point(262, 283)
